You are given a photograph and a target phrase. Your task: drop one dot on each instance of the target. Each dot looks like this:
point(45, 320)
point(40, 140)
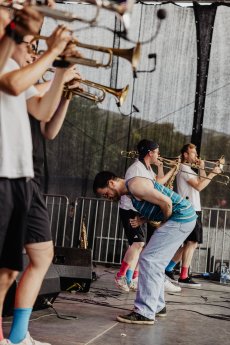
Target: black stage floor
point(195, 317)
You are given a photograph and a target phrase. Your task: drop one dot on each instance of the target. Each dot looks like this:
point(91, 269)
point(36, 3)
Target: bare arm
point(166, 177)
point(143, 189)
point(200, 183)
point(51, 129)
point(19, 80)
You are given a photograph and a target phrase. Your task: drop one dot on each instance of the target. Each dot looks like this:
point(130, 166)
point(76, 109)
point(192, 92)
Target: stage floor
point(195, 317)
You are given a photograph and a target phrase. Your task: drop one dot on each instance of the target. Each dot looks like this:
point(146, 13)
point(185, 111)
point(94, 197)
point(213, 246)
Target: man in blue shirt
point(154, 202)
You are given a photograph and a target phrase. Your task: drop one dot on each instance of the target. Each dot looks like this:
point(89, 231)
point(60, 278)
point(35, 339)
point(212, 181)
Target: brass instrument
point(83, 240)
point(52, 12)
point(131, 54)
point(120, 94)
point(225, 178)
point(122, 10)
point(129, 154)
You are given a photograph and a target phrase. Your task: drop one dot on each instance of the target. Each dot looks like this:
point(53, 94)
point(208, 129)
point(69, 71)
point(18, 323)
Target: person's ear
point(111, 183)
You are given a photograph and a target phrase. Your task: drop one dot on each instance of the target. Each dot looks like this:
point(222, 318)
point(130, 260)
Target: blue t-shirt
point(182, 210)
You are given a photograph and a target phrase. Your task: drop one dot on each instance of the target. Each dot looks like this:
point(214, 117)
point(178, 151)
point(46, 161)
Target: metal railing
point(106, 234)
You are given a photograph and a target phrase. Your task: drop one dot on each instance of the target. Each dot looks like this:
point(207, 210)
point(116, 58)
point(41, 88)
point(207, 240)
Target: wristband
point(11, 32)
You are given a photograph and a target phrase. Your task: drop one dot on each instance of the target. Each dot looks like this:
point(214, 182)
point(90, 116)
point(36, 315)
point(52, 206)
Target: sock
point(1, 330)
point(124, 268)
point(184, 272)
point(170, 266)
point(135, 274)
point(20, 324)
point(129, 275)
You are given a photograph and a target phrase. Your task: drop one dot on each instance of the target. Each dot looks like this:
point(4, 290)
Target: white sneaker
point(30, 341)
point(133, 284)
point(121, 283)
point(170, 287)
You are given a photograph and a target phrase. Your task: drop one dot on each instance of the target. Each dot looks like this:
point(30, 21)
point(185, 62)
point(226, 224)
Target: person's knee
point(138, 246)
point(191, 244)
point(7, 276)
point(40, 254)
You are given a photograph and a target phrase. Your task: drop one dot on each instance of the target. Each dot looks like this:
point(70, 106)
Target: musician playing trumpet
point(189, 186)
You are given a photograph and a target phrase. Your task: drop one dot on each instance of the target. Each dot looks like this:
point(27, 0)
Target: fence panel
point(105, 232)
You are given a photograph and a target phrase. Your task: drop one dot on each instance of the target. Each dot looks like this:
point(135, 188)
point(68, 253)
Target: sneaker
point(188, 282)
point(121, 283)
point(133, 284)
point(30, 341)
point(135, 318)
point(170, 287)
point(171, 276)
point(162, 313)
point(5, 342)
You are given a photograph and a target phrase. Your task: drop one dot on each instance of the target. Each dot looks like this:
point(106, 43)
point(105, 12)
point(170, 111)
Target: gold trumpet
point(167, 162)
point(52, 12)
point(120, 94)
point(130, 154)
point(131, 54)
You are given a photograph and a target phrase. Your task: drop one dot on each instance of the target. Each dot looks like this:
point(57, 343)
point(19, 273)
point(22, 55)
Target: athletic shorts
point(197, 233)
point(132, 234)
point(15, 200)
point(38, 224)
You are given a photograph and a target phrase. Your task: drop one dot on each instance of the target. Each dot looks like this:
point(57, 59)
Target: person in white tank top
point(189, 186)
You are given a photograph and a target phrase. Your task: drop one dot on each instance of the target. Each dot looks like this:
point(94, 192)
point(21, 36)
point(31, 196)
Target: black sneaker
point(188, 282)
point(171, 276)
point(135, 318)
point(162, 313)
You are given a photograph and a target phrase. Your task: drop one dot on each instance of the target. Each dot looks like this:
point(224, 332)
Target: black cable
point(60, 316)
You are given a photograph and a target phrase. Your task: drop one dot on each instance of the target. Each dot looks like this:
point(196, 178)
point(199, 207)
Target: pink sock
point(124, 268)
point(135, 274)
point(1, 330)
point(184, 272)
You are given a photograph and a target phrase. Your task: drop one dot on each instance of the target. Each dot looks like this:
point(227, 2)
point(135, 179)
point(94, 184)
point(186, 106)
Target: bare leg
point(40, 255)
point(132, 254)
point(7, 277)
point(188, 252)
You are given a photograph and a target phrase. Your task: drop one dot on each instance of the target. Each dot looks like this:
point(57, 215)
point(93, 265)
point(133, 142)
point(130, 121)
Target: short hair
point(101, 180)
point(185, 149)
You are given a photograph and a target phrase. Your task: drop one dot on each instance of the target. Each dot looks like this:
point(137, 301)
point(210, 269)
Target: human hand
point(28, 21)
point(136, 222)
point(59, 39)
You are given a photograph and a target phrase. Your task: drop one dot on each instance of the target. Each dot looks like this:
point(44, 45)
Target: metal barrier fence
point(105, 232)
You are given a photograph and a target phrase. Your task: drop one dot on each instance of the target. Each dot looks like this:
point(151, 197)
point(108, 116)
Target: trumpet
point(130, 154)
point(122, 10)
point(52, 12)
point(131, 54)
point(120, 94)
point(223, 178)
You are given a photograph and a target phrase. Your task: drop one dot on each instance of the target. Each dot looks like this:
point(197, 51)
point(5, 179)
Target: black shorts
point(197, 233)
point(38, 224)
point(132, 234)
point(15, 200)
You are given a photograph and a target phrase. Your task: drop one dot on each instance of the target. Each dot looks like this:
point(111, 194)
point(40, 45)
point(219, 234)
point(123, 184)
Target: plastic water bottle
point(223, 274)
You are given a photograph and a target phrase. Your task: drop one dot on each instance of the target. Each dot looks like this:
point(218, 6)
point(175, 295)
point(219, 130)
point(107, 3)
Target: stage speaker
point(74, 266)
point(48, 293)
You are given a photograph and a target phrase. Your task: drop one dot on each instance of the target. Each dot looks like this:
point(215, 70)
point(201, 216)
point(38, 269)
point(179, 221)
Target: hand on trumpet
point(57, 42)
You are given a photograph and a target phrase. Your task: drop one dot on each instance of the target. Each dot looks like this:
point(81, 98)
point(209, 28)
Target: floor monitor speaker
point(74, 266)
